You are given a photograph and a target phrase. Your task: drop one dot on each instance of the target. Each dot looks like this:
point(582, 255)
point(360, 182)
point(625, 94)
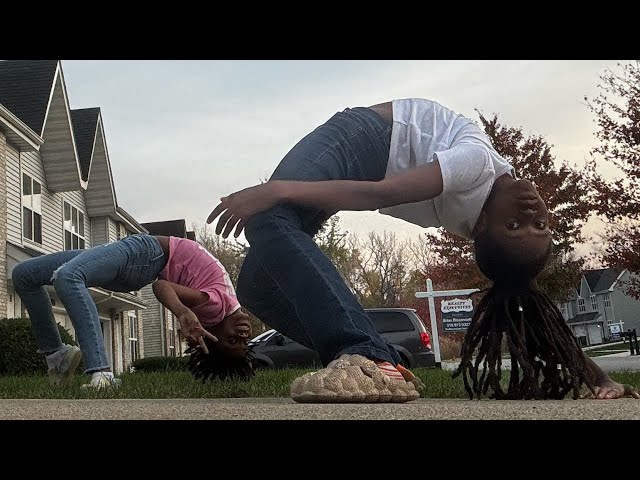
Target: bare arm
point(180, 300)
point(422, 183)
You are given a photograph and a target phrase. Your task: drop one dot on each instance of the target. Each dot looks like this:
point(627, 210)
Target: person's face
point(233, 334)
point(516, 216)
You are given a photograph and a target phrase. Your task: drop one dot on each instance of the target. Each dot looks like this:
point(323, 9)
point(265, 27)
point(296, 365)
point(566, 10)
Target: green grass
point(607, 350)
point(267, 383)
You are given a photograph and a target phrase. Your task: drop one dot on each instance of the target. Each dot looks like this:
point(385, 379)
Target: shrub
point(18, 350)
point(161, 364)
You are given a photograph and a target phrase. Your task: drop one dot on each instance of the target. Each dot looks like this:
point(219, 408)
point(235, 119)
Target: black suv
point(401, 327)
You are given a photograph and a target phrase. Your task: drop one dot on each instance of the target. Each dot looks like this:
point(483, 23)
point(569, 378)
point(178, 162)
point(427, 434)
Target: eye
point(232, 340)
point(513, 225)
point(540, 225)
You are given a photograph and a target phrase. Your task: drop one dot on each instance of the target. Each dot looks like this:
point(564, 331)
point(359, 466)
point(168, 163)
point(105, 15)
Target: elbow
point(157, 286)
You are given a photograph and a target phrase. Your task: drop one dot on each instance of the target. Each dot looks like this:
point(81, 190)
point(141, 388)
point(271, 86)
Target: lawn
point(267, 383)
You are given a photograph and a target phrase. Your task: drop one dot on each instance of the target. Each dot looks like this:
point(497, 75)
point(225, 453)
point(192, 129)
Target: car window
point(386, 322)
point(263, 336)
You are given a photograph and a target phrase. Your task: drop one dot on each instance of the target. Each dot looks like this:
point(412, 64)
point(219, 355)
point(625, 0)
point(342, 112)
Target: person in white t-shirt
point(419, 161)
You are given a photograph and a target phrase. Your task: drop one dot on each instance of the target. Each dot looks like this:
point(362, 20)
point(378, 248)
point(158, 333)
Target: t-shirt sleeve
point(464, 166)
point(212, 310)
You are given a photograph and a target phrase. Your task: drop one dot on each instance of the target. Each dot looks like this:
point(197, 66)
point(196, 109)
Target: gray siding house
point(600, 307)
point(59, 194)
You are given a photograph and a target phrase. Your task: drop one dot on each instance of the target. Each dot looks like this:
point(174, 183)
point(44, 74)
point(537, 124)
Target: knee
point(246, 285)
point(21, 277)
point(65, 276)
point(257, 225)
point(263, 227)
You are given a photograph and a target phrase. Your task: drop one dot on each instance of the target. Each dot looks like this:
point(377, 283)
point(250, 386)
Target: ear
point(481, 224)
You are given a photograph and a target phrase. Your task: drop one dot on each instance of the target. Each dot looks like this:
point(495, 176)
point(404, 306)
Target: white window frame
point(594, 303)
point(564, 310)
point(581, 306)
point(121, 231)
point(76, 232)
point(172, 339)
point(31, 206)
point(607, 300)
point(134, 345)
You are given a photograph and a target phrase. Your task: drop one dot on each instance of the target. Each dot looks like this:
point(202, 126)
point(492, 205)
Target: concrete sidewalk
point(286, 409)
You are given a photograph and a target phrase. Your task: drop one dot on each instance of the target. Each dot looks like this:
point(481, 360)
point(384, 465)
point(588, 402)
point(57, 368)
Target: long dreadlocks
point(546, 359)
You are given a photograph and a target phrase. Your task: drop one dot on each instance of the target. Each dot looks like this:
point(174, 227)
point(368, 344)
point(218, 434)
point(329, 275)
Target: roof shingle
point(85, 122)
point(25, 87)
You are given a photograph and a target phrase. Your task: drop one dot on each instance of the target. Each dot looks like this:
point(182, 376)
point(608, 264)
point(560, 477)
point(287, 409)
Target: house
point(56, 172)
point(599, 308)
point(161, 330)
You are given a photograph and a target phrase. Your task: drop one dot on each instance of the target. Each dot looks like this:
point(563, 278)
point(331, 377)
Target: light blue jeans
point(123, 266)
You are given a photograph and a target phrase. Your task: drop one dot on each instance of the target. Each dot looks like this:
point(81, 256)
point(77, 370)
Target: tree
point(381, 272)
point(617, 114)
point(569, 196)
point(335, 245)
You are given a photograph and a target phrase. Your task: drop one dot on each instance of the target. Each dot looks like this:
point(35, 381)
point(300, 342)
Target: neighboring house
point(599, 306)
point(55, 170)
point(161, 330)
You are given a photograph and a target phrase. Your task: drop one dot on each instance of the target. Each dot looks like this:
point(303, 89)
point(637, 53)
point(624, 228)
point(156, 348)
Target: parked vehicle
point(401, 327)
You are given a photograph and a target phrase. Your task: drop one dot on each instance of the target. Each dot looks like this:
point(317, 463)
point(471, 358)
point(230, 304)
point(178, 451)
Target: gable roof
point(25, 89)
point(85, 123)
point(169, 228)
point(601, 279)
point(584, 317)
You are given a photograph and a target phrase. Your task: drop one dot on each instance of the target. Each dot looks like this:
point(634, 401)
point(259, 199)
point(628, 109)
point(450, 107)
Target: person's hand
point(238, 207)
point(610, 390)
point(193, 331)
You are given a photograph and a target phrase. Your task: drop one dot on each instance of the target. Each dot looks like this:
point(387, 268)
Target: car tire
point(404, 361)
point(261, 365)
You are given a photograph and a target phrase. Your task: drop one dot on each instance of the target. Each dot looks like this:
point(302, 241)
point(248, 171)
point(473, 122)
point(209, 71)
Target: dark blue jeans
point(286, 280)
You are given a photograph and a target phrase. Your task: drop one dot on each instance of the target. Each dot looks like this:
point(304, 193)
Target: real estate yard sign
point(456, 314)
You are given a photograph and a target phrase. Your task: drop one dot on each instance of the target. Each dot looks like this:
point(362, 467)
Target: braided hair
point(546, 359)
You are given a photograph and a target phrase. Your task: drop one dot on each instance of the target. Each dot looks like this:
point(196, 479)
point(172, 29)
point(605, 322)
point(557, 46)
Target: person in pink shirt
point(186, 279)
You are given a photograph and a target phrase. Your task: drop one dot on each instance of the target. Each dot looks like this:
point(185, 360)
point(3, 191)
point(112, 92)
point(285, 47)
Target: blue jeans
point(286, 280)
point(122, 266)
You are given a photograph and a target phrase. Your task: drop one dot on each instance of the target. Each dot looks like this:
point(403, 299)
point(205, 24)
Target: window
point(133, 337)
point(172, 344)
point(564, 310)
point(31, 209)
point(607, 300)
point(172, 339)
point(594, 303)
point(121, 231)
point(386, 322)
point(581, 306)
point(73, 228)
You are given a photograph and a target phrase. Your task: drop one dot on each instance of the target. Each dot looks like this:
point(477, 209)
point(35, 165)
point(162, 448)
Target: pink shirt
point(191, 265)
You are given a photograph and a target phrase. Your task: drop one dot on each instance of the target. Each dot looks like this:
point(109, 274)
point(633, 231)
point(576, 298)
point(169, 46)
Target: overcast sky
point(181, 134)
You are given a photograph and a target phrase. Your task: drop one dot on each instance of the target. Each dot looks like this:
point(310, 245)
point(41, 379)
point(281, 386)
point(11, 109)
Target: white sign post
point(431, 294)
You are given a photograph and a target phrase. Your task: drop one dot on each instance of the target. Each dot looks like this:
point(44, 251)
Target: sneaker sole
point(66, 377)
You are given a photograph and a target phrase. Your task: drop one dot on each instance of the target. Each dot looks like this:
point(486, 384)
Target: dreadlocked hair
point(219, 365)
point(546, 359)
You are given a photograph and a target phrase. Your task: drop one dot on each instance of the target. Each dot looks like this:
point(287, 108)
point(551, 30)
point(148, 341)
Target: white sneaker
point(63, 363)
point(103, 381)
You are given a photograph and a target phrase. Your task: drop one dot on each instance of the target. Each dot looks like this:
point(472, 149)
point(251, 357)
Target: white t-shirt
point(424, 130)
